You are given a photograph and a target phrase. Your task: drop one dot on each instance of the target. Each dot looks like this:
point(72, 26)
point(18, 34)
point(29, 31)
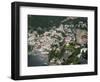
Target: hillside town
point(65, 43)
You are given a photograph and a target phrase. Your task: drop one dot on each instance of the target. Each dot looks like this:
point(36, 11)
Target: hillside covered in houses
point(57, 40)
